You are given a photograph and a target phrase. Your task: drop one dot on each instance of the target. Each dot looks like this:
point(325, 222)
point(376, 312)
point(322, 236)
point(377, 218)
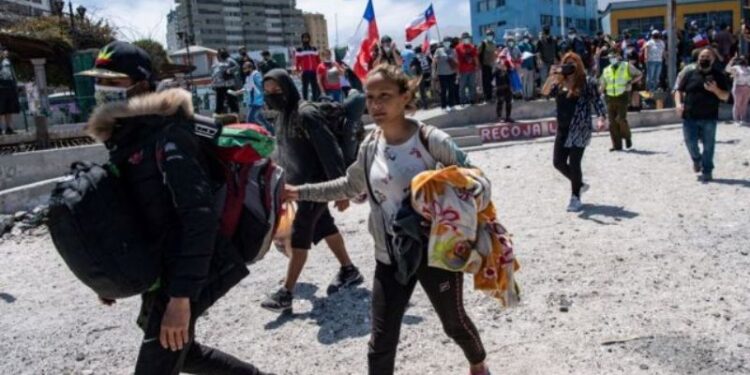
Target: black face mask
point(276, 101)
point(704, 64)
point(568, 69)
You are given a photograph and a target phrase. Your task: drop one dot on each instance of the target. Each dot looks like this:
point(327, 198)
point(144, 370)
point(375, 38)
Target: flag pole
point(437, 24)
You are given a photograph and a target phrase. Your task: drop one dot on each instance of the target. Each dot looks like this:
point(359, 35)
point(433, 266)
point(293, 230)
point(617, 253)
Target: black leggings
point(389, 302)
point(567, 160)
point(448, 91)
point(504, 97)
point(194, 358)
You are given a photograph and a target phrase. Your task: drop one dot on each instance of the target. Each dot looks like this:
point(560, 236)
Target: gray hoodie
point(440, 145)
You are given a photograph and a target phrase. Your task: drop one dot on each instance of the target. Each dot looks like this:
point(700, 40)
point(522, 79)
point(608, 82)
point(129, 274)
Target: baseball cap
point(656, 32)
point(121, 60)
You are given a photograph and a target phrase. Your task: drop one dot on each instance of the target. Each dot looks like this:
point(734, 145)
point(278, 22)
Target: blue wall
point(527, 13)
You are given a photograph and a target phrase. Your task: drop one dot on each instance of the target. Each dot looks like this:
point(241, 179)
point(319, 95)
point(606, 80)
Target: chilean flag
point(359, 54)
point(422, 23)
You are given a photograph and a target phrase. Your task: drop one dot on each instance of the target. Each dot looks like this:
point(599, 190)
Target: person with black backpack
point(171, 185)
point(223, 79)
point(309, 152)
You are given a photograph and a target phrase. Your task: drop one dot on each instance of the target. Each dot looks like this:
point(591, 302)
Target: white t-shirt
point(393, 168)
point(656, 50)
point(741, 75)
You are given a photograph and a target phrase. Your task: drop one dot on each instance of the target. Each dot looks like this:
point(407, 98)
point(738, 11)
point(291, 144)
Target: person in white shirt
point(654, 56)
point(740, 71)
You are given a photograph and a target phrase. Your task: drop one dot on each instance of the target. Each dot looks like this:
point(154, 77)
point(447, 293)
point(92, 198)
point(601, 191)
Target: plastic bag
point(284, 230)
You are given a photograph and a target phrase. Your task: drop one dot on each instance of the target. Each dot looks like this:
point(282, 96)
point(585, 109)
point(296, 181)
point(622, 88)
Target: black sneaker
point(628, 144)
point(697, 168)
point(347, 276)
point(279, 302)
point(9, 131)
point(707, 177)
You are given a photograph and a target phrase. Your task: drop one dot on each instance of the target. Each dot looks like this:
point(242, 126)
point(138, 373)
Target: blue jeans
point(653, 73)
point(705, 130)
point(467, 81)
point(335, 95)
point(255, 116)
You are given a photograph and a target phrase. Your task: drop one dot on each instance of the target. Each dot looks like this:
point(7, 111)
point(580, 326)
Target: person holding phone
point(575, 95)
point(697, 100)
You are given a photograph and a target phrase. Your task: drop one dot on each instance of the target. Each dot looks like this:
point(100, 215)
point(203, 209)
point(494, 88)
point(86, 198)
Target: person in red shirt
point(329, 76)
point(468, 63)
point(307, 61)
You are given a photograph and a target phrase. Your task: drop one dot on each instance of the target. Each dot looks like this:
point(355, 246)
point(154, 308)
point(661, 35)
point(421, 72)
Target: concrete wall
point(30, 167)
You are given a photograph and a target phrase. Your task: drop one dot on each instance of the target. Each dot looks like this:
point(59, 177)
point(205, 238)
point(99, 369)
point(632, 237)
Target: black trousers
point(223, 96)
point(448, 91)
point(487, 82)
point(567, 160)
point(424, 87)
point(389, 301)
point(310, 79)
point(194, 358)
point(504, 97)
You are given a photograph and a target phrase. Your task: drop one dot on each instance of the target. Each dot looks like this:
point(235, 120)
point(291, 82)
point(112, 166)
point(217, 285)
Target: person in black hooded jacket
point(309, 153)
point(173, 183)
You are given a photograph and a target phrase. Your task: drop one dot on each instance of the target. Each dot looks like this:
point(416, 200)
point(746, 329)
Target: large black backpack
point(344, 121)
point(99, 234)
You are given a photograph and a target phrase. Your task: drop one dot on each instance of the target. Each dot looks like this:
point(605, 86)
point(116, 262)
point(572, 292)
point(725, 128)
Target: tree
point(58, 30)
point(156, 51)
point(87, 33)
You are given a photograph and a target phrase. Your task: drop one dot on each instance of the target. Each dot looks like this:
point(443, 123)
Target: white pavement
point(657, 263)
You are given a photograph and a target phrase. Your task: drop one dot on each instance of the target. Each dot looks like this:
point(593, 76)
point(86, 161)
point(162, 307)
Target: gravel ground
point(652, 278)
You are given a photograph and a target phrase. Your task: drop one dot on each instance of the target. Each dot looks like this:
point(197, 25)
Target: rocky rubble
point(23, 222)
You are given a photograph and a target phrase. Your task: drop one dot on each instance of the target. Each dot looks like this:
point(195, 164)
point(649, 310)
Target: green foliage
point(58, 31)
point(86, 34)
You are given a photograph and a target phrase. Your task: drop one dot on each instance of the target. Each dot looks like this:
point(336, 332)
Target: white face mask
point(614, 60)
point(467, 41)
point(110, 94)
point(511, 44)
point(447, 44)
point(490, 38)
point(387, 49)
point(571, 36)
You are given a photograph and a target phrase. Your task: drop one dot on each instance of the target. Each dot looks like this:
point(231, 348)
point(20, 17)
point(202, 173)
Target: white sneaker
point(575, 204)
point(584, 188)
point(449, 109)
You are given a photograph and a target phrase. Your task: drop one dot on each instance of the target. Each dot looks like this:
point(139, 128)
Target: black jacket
point(174, 184)
point(306, 148)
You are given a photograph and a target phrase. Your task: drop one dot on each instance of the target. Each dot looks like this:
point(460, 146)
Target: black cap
point(121, 60)
point(386, 39)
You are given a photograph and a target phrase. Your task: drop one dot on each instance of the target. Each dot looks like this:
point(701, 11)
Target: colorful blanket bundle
point(465, 235)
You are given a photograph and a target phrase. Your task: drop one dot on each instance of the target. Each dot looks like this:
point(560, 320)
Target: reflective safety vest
point(616, 81)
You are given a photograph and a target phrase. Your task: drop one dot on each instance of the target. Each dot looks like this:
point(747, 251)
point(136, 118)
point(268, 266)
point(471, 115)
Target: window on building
point(593, 24)
point(568, 1)
point(640, 25)
point(486, 5)
point(580, 2)
point(714, 19)
point(581, 24)
point(546, 20)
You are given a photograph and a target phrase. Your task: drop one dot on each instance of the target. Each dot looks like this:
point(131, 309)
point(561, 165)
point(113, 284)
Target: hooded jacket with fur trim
point(173, 184)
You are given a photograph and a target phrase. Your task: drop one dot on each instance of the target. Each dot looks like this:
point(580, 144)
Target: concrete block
point(27, 167)
point(25, 198)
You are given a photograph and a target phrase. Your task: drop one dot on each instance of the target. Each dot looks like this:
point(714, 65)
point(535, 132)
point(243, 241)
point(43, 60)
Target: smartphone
point(709, 78)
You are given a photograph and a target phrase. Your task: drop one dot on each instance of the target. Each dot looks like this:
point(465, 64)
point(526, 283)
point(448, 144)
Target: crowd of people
point(585, 76)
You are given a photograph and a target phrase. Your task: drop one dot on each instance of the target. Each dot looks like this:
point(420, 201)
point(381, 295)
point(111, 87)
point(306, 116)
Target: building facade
point(504, 15)
point(173, 28)
point(231, 24)
point(642, 15)
point(13, 10)
point(316, 25)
